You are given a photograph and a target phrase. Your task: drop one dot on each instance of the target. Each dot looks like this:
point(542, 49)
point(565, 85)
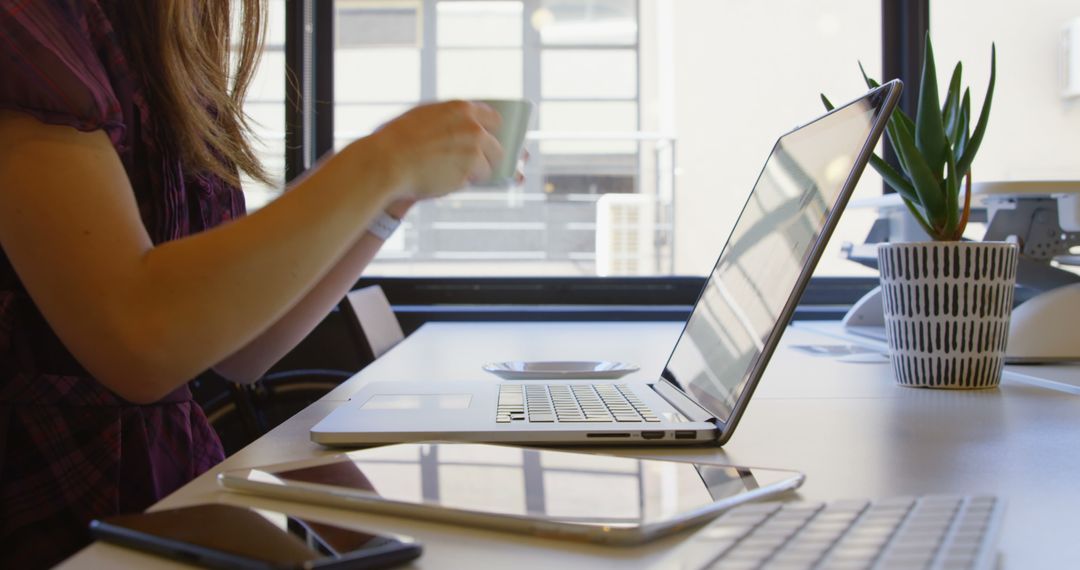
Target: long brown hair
point(182, 49)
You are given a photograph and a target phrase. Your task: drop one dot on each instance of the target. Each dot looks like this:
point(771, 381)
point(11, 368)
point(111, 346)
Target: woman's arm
point(145, 319)
point(252, 361)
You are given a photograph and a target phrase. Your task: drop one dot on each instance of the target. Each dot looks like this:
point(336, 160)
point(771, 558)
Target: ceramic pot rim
point(989, 244)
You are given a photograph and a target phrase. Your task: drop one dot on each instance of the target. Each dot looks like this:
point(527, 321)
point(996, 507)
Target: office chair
point(375, 327)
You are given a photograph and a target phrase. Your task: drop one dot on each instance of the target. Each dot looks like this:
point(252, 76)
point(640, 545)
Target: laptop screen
point(770, 254)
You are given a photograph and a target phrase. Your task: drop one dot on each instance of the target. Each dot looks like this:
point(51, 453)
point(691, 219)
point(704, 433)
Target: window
point(359, 26)
point(577, 60)
point(653, 119)
point(377, 48)
point(265, 106)
point(479, 50)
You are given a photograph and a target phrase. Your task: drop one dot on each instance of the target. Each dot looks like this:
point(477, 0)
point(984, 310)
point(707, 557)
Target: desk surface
point(846, 425)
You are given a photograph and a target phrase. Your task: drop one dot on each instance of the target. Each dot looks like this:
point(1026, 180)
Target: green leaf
point(894, 179)
point(963, 128)
point(919, 218)
point(952, 197)
point(905, 120)
point(891, 130)
point(901, 130)
point(896, 132)
point(870, 83)
point(929, 129)
point(964, 164)
point(828, 104)
point(950, 114)
point(927, 187)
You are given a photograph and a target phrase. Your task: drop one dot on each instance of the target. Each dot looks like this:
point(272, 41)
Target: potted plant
point(947, 301)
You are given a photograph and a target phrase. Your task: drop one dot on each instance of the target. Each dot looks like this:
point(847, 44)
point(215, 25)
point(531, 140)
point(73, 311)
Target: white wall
point(744, 73)
point(1033, 133)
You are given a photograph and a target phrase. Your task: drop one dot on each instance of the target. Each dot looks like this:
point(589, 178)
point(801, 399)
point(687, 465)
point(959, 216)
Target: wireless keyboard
point(906, 533)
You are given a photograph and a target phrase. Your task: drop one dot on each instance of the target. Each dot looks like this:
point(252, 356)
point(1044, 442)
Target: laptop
point(720, 356)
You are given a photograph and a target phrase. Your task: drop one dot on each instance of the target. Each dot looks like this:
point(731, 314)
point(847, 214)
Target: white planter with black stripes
point(947, 308)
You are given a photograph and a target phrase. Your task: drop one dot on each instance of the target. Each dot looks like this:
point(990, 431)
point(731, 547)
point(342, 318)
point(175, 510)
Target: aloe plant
point(935, 149)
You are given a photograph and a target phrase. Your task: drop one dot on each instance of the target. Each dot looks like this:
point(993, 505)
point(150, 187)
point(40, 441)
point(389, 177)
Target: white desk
point(847, 426)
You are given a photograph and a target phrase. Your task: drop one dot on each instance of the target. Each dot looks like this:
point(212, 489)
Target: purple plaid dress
point(71, 450)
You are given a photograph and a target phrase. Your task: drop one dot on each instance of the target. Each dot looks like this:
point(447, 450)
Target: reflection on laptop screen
point(758, 271)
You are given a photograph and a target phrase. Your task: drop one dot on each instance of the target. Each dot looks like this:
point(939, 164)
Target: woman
point(127, 266)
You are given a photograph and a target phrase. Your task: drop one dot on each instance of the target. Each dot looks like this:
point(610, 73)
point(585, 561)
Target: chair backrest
point(376, 320)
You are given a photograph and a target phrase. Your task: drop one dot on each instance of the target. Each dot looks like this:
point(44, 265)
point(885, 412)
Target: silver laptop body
point(721, 354)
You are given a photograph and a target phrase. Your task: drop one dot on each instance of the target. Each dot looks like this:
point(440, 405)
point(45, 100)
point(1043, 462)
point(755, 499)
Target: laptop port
point(685, 434)
point(612, 434)
point(652, 435)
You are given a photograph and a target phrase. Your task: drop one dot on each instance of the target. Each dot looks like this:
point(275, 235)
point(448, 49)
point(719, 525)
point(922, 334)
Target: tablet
point(553, 493)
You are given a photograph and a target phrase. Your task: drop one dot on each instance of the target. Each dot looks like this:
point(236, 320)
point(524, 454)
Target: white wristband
point(383, 226)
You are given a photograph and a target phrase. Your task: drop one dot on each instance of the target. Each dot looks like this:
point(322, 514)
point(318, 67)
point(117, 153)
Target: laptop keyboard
point(570, 403)
point(938, 532)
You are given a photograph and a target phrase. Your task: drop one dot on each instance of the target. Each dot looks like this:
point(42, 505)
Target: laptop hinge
point(680, 401)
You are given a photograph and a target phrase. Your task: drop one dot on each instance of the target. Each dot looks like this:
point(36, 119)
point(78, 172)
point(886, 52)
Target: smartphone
point(226, 536)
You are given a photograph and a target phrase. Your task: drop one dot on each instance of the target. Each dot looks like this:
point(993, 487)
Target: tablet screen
point(563, 486)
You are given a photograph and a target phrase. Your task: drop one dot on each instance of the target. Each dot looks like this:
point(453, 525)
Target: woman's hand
point(519, 171)
point(436, 149)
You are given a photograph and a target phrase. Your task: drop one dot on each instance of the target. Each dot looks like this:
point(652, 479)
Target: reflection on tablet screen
point(570, 487)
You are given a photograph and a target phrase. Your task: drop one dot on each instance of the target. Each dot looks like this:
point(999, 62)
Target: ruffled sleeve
point(50, 67)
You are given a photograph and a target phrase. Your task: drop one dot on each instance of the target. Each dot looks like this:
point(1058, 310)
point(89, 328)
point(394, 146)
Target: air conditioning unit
point(625, 235)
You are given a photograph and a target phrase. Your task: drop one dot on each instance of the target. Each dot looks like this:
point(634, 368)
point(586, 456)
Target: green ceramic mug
point(511, 135)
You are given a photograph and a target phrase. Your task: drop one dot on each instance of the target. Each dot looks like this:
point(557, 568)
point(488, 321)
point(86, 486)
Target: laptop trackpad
point(417, 402)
